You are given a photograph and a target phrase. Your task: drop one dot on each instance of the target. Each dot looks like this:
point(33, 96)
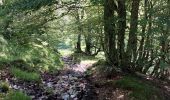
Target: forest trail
point(69, 84)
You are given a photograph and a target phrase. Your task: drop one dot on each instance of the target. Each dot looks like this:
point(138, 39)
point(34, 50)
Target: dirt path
point(69, 84)
point(75, 74)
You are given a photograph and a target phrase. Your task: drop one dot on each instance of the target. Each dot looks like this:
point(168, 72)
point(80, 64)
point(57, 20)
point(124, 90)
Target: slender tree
point(132, 42)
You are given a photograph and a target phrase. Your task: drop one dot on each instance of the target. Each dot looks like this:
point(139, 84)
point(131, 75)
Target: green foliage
point(106, 69)
point(88, 72)
point(140, 90)
point(21, 30)
point(4, 87)
point(21, 64)
point(82, 57)
point(16, 95)
point(45, 58)
point(36, 56)
point(164, 65)
point(25, 5)
point(25, 76)
point(96, 2)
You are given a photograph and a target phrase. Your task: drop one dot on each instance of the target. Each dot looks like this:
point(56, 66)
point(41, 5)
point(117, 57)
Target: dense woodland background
point(127, 36)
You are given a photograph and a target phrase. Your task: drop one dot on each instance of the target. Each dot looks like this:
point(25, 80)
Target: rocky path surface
point(69, 84)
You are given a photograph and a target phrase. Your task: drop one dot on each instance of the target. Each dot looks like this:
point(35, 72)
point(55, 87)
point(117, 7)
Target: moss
point(105, 83)
point(140, 90)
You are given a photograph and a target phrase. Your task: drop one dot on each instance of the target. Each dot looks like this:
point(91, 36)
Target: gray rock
point(65, 96)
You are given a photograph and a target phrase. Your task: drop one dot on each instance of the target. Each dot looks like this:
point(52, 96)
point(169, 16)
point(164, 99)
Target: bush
point(24, 75)
point(16, 95)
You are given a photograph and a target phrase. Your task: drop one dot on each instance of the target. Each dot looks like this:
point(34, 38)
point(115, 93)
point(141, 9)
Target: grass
point(84, 59)
point(140, 90)
point(25, 76)
point(16, 95)
point(65, 52)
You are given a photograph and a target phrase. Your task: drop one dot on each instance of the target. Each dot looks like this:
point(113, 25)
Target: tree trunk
point(88, 44)
point(109, 32)
point(121, 30)
point(80, 31)
point(132, 42)
point(141, 47)
point(78, 47)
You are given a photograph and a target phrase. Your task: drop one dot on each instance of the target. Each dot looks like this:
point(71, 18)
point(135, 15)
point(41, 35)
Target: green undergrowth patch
point(88, 72)
point(100, 66)
point(104, 69)
point(36, 55)
point(95, 67)
point(65, 52)
point(4, 86)
point(140, 90)
point(78, 57)
point(16, 95)
point(25, 76)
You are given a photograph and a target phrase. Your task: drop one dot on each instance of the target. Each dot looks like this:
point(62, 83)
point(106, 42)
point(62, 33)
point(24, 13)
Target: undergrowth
point(16, 95)
point(35, 55)
point(4, 87)
point(140, 90)
point(24, 75)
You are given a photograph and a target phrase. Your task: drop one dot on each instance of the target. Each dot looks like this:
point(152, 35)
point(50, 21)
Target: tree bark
point(78, 46)
point(121, 30)
point(80, 31)
point(109, 32)
point(88, 44)
point(141, 46)
point(132, 42)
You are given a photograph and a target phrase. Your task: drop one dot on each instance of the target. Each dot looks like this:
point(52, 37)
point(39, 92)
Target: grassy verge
point(24, 75)
point(140, 90)
point(16, 95)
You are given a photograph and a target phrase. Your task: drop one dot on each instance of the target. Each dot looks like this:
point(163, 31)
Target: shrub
point(24, 75)
point(16, 95)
